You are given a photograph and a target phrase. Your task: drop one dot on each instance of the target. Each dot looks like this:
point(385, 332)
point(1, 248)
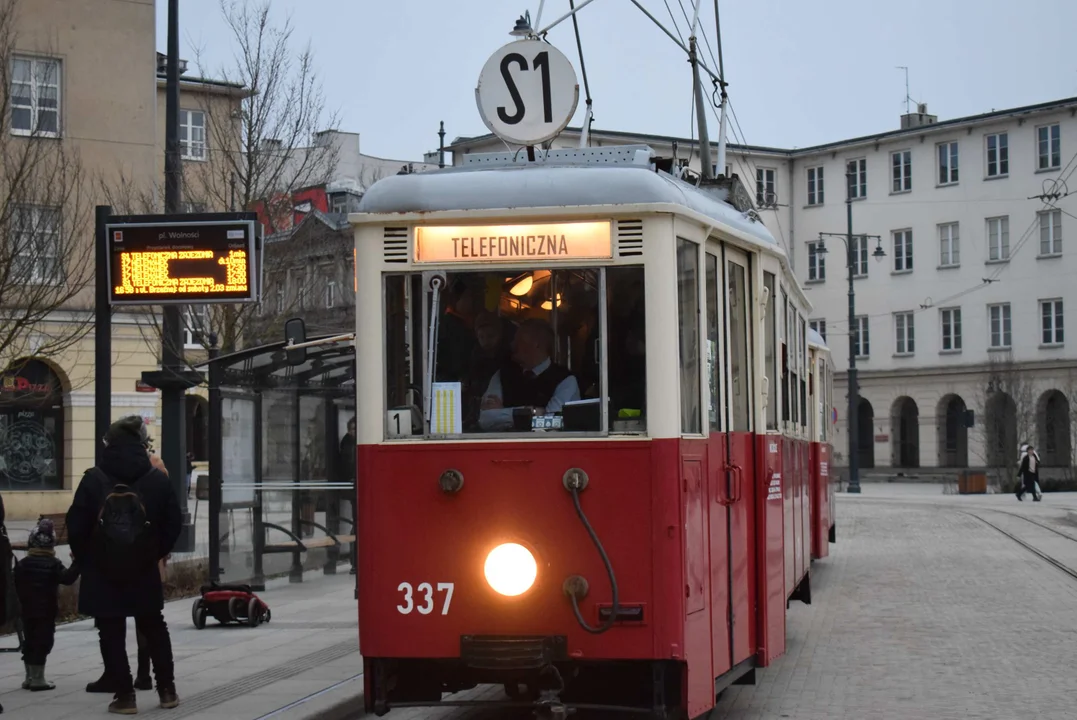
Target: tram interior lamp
point(523, 26)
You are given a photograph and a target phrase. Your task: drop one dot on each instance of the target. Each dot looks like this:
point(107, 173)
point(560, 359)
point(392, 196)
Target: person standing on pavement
point(1030, 475)
point(38, 577)
point(123, 520)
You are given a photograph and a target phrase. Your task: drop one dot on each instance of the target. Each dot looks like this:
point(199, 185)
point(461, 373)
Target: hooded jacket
point(125, 461)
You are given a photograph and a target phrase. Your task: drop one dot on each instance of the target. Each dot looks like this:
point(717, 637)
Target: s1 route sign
point(527, 92)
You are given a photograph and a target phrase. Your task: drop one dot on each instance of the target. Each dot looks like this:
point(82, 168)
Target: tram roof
point(815, 339)
point(544, 186)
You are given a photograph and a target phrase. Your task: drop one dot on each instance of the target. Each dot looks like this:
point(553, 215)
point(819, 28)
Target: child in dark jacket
point(37, 579)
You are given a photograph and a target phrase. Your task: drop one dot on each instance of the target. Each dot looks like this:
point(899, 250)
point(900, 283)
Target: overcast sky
point(800, 73)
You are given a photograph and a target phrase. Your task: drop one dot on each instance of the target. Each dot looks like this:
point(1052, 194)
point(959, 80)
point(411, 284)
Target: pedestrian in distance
point(1029, 475)
point(38, 577)
point(124, 519)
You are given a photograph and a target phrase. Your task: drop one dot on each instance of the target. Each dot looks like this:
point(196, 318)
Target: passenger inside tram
point(523, 352)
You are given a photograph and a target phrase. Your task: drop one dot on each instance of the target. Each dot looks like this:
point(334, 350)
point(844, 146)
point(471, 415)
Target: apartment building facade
point(960, 325)
point(86, 88)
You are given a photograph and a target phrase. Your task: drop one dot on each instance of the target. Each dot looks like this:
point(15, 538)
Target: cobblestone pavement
point(919, 612)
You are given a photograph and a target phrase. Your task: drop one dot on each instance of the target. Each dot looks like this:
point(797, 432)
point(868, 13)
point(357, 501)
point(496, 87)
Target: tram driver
point(533, 381)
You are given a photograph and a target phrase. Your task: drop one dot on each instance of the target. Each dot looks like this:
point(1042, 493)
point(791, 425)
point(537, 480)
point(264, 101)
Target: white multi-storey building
point(960, 325)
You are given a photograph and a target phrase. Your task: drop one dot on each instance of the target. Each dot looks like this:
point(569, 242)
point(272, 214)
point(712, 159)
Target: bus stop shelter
point(280, 494)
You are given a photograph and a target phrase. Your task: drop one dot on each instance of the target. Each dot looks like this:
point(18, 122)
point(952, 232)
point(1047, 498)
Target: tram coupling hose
point(575, 586)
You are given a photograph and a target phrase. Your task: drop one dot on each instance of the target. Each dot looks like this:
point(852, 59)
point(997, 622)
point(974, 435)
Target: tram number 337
point(422, 598)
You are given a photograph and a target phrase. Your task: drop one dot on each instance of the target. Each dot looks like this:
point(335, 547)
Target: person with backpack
point(123, 520)
point(38, 577)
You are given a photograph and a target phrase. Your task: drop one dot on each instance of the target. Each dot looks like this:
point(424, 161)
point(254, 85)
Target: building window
point(816, 262)
point(951, 329)
point(35, 96)
point(1049, 147)
point(818, 326)
point(1051, 314)
point(192, 134)
point(903, 328)
point(1051, 232)
point(902, 250)
point(196, 326)
point(901, 163)
point(860, 338)
point(764, 187)
point(949, 245)
point(728, 170)
point(815, 186)
point(340, 203)
point(856, 172)
point(194, 207)
point(1000, 325)
point(998, 238)
point(947, 163)
point(860, 256)
point(298, 281)
point(998, 155)
point(36, 251)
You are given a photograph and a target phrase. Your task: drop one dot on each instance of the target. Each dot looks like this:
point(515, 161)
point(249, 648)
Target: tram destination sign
point(540, 242)
point(183, 262)
point(527, 92)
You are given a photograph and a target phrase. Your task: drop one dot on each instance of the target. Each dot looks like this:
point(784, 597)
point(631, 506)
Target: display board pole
point(216, 462)
point(173, 427)
point(102, 333)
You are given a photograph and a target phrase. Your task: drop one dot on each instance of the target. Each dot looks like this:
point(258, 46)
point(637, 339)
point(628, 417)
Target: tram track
point(1049, 559)
point(974, 513)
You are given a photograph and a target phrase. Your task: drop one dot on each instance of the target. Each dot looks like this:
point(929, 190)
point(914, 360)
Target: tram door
point(740, 463)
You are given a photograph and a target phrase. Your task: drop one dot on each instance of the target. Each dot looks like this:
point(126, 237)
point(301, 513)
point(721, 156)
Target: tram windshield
point(516, 352)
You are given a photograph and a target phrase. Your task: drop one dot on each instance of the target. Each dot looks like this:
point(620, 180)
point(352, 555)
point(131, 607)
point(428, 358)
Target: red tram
point(592, 436)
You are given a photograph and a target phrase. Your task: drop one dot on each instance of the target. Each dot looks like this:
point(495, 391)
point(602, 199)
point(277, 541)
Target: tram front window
point(517, 352)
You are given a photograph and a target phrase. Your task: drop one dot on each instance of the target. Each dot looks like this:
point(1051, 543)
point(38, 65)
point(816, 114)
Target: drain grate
point(239, 688)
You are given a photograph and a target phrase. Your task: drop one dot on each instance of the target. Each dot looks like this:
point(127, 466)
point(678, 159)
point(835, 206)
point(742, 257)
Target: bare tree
point(273, 145)
point(46, 258)
point(1008, 409)
point(261, 149)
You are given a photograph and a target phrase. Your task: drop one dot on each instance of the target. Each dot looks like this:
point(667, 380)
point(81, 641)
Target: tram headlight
point(510, 569)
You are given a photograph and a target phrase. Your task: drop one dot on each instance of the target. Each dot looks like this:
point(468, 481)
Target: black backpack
point(126, 541)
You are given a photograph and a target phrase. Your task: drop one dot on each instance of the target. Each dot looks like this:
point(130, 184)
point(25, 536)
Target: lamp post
point(851, 260)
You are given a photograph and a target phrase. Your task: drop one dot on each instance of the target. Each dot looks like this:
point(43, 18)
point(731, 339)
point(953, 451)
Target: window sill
point(956, 351)
point(192, 158)
point(813, 205)
point(901, 192)
point(859, 198)
point(948, 267)
point(1001, 261)
point(947, 184)
point(1054, 169)
point(1052, 346)
point(31, 134)
point(860, 358)
point(904, 355)
point(1001, 348)
point(820, 281)
point(1049, 256)
point(1001, 176)
point(907, 271)
point(860, 277)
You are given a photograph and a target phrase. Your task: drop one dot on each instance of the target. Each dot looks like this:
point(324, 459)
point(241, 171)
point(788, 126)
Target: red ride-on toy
point(229, 603)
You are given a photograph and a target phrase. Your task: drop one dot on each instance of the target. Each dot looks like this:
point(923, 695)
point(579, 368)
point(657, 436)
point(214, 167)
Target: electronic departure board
point(189, 263)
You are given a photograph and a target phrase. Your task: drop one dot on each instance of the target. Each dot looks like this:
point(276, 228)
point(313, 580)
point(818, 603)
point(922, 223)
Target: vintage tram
point(588, 408)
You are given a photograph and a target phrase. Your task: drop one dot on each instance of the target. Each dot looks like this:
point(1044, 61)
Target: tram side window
point(802, 333)
point(688, 318)
point(713, 366)
point(769, 354)
point(627, 366)
point(738, 350)
point(784, 325)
